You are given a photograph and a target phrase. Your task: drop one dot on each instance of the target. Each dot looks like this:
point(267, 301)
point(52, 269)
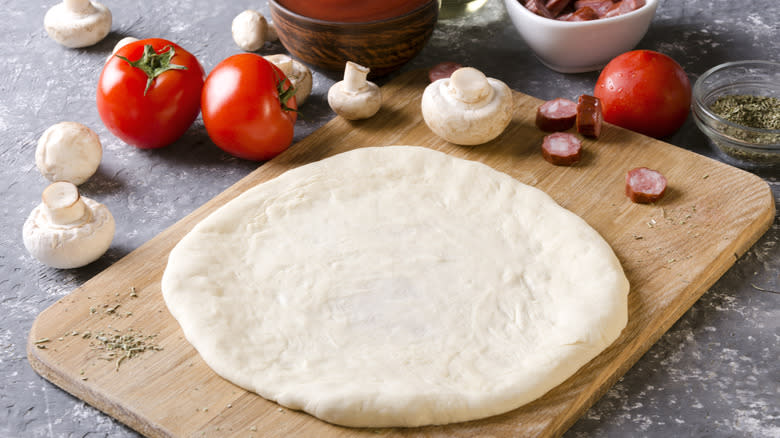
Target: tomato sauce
point(351, 10)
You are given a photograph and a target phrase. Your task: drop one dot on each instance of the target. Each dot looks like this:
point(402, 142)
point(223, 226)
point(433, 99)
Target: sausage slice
point(645, 185)
point(538, 7)
point(585, 13)
point(562, 148)
point(442, 70)
point(589, 116)
point(556, 115)
point(556, 6)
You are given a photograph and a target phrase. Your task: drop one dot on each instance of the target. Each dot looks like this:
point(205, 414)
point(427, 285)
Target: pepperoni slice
point(598, 7)
point(584, 14)
point(589, 116)
point(538, 7)
point(627, 6)
point(556, 6)
point(442, 70)
point(556, 115)
point(562, 148)
point(645, 185)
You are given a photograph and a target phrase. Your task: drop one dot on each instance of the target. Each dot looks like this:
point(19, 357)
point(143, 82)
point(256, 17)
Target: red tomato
point(646, 92)
point(150, 110)
point(248, 107)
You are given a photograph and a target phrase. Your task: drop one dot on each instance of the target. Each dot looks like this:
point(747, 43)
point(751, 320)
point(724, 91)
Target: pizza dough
point(396, 286)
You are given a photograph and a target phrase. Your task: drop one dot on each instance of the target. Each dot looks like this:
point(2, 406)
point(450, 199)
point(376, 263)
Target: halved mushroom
point(355, 98)
point(467, 108)
point(77, 23)
point(67, 230)
point(296, 72)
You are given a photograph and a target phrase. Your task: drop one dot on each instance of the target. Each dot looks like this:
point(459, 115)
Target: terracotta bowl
point(382, 45)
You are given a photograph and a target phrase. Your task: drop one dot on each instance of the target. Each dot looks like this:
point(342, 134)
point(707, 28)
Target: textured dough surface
point(396, 286)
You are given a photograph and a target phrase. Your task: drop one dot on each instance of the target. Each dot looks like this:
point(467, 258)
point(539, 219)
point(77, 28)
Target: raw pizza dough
point(396, 286)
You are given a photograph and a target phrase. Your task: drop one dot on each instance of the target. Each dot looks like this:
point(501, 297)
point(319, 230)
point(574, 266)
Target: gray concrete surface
point(714, 374)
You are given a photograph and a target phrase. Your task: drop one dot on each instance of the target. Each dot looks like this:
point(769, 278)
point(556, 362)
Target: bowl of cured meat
point(574, 36)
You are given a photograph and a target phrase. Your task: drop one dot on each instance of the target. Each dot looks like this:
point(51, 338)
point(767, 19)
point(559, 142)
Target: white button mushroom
point(68, 151)
point(467, 108)
point(67, 230)
point(355, 98)
point(251, 30)
point(299, 75)
point(77, 23)
point(123, 42)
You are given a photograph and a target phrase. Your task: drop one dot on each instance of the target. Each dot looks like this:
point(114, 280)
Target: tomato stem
point(154, 64)
point(285, 95)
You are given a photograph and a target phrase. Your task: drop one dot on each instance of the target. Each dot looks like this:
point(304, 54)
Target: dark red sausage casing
point(645, 185)
point(556, 115)
point(584, 14)
point(562, 148)
point(442, 70)
point(589, 116)
point(556, 6)
point(538, 7)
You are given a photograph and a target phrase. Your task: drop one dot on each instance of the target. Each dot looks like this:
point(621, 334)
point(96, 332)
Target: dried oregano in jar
point(761, 112)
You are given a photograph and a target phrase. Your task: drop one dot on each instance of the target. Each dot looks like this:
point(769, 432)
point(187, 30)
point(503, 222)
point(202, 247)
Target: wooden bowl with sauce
point(380, 34)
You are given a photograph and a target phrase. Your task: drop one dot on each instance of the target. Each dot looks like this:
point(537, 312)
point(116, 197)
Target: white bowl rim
point(582, 24)
point(698, 104)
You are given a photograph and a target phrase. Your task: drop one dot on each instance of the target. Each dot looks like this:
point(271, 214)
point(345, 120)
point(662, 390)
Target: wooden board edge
point(762, 223)
point(49, 371)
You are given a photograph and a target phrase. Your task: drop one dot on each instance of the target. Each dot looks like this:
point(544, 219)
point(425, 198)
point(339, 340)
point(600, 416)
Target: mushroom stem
point(81, 7)
point(470, 85)
point(355, 77)
point(62, 203)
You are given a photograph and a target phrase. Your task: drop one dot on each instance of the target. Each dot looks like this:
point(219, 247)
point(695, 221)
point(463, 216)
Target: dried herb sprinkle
point(761, 112)
point(121, 347)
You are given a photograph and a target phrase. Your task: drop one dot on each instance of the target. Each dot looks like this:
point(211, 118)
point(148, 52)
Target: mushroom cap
point(68, 151)
point(77, 29)
point(72, 245)
point(300, 76)
point(355, 105)
point(467, 123)
point(250, 30)
point(123, 42)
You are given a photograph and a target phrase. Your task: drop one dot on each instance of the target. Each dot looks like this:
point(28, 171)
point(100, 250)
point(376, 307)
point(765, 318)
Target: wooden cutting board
point(671, 251)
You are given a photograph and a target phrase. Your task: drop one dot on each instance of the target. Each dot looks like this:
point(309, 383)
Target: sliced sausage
point(584, 14)
point(600, 7)
point(442, 70)
point(556, 6)
point(538, 8)
point(615, 10)
point(562, 148)
point(645, 185)
point(627, 6)
point(556, 115)
point(589, 116)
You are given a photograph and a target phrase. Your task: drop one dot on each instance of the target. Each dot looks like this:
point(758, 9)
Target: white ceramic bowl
point(576, 47)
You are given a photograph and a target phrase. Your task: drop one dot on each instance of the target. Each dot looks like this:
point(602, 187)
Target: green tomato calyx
point(154, 64)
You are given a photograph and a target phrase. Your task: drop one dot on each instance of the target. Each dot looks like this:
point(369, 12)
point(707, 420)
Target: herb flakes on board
point(121, 346)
